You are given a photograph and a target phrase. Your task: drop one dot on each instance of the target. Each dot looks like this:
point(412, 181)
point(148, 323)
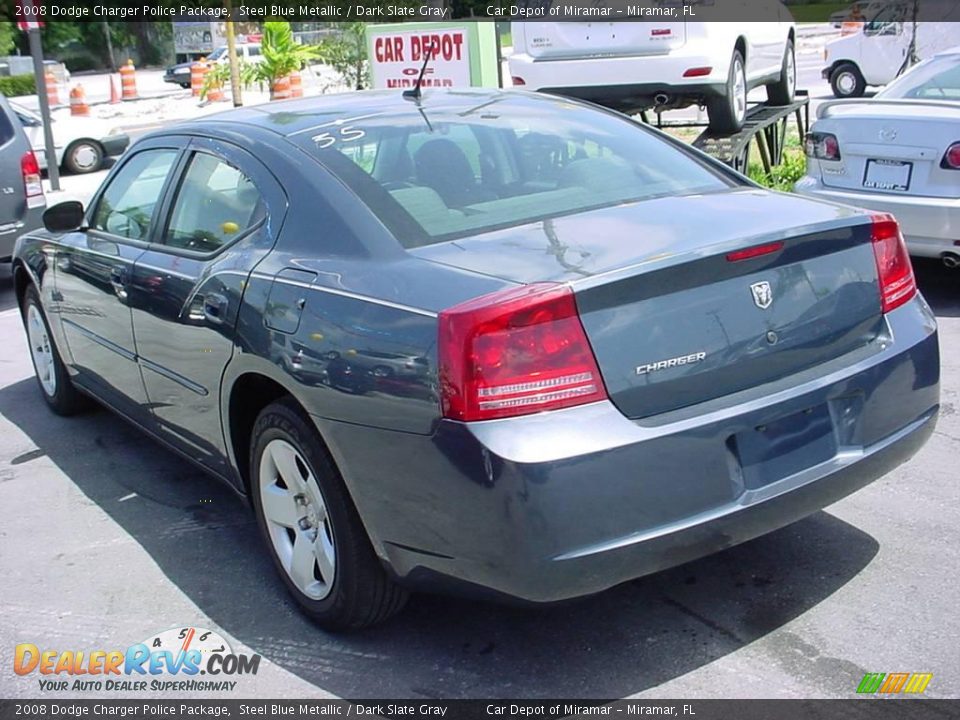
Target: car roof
point(292, 117)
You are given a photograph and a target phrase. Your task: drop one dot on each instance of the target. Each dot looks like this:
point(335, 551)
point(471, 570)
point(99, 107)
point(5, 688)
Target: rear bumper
point(114, 144)
point(9, 233)
point(602, 80)
point(931, 226)
point(564, 504)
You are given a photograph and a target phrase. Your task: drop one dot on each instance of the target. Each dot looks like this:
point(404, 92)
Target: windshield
point(934, 79)
point(447, 172)
point(217, 54)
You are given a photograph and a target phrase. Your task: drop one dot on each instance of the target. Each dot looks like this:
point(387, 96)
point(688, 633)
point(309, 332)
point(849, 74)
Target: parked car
point(607, 354)
point(898, 153)
point(81, 143)
point(662, 65)
point(878, 53)
point(21, 191)
point(179, 74)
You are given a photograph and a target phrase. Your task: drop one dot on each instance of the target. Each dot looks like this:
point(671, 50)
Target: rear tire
point(847, 81)
point(728, 113)
point(311, 528)
point(56, 387)
point(784, 90)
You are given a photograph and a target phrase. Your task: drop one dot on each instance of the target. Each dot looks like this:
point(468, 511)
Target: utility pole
point(232, 57)
point(106, 33)
point(36, 51)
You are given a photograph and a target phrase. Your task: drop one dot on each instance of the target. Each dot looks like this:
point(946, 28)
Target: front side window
point(215, 204)
point(437, 173)
point(127, 206)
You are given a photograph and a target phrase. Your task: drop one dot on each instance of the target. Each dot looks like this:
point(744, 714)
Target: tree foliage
point(346, 52)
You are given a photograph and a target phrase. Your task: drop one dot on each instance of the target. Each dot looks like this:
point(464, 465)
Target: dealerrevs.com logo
point(169, 661)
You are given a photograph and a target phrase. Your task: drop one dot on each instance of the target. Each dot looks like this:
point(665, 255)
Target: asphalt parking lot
point(107, 539)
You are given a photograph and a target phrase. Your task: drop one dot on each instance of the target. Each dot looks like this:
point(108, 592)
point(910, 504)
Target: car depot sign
point(459, 54)
point(396, 59)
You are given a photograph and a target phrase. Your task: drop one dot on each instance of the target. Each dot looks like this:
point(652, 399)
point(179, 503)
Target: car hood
point(657, 232)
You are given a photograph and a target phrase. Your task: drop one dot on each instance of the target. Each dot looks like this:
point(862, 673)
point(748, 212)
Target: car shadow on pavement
point(940, 285)
point(620, 642)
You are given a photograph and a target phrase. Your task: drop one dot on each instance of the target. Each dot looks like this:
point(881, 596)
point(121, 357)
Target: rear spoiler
point(823, 110)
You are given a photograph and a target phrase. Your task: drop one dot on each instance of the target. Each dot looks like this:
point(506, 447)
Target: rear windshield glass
point(936, 79)
point(444, 172)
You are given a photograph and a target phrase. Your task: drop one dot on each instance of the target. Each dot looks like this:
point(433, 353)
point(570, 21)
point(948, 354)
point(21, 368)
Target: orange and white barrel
point(128, 81)
point(296, 84)
point(53, 96)
point(78, 102)
point(198, 71)
point(280, 89)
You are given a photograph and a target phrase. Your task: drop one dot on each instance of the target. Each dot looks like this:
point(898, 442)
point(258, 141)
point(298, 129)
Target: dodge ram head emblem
point(762, 294)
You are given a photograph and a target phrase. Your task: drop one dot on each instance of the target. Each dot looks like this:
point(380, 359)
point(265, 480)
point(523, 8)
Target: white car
point(633, 66)
point(898, 153)
point(81, 143)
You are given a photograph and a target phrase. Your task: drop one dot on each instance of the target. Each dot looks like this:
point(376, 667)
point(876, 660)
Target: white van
point(878, 53)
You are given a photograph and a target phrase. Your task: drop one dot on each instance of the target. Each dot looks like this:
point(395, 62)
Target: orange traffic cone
point(78, 102)
point(114, 95)
point(128, 81)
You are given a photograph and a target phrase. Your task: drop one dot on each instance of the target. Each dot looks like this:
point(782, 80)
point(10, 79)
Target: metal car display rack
point(767, 123)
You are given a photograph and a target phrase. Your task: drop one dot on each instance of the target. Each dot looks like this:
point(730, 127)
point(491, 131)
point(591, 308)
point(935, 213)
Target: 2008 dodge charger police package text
point(486, 342)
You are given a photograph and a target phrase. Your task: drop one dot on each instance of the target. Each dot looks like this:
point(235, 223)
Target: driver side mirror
point(64, 217)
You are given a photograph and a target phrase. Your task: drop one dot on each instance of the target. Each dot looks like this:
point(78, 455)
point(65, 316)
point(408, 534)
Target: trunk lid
point(560, 40)
point(891, 147)
point(672, 322)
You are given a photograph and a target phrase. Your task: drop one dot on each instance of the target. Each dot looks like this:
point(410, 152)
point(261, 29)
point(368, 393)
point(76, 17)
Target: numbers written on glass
point(341, 134)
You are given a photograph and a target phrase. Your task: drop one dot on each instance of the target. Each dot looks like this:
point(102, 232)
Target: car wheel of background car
point(727, 113)
point(847, 81)
point(185, 85)
point(313, 531)
point(783, 91)
point(55, 384)
point(83, 156)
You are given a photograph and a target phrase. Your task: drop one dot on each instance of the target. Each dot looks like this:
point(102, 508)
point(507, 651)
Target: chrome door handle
point(214, 308)
point(117, 281)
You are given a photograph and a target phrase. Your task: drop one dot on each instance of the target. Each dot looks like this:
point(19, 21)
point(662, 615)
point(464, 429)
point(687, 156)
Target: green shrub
point(782, 176)
point(17, 85)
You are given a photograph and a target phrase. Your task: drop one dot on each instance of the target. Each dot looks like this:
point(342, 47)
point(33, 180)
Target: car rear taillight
point(822, 146)
point(518, 80)
point(897, 284)
point(515, 352)
point(951, 158)
point(32, 185)
point(697, 71)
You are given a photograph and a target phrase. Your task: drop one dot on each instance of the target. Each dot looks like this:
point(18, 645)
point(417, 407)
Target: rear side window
point(439, 173)
point(215, 204)
point(127, 206)
point(6, 128)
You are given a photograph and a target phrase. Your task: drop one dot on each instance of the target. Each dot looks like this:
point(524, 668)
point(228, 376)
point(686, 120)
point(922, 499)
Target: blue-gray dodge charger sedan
point(483, 342)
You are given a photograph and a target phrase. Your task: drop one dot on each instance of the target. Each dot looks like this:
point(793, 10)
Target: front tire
point(56, 388)
point(83, 156)
point(847, 81)
point(728, 113)
point(784, 90)
point(311, 528)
